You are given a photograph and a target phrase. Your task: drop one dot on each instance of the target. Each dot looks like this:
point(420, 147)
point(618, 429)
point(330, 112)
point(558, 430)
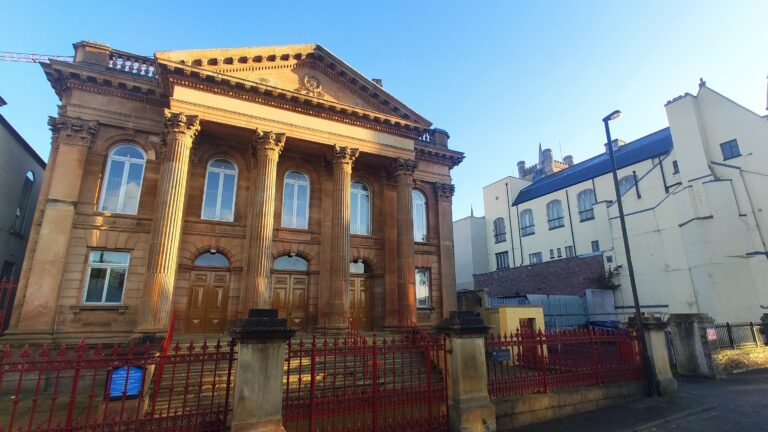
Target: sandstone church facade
point(203, 183)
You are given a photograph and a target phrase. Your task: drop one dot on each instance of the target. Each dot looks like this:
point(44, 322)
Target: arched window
point(122, 180)
point(212, 259)
point(586, 199)
point(555, 214)
point(526, 223)
point(626, 183)
point(359, 267)
point(291, 263)
point(499, 230)
point(360, 220)
point(419, 216)
point(295, 200)
point(23, 207)
point(220, 190)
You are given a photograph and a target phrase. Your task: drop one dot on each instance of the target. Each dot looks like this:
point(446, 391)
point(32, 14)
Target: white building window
point(419, 216)
point(220, 190)
point(569, 251)
point(535, 258)
point(626, 183)
point(499, 230)
point(295, 200)
point(422, 287)
point(730, 149)
point(360, 222)
point(106, 277)
point(595, 246)
point(555, 214)
point(502, 260)
point(586, 199)
point(551, 254)
point(526, 223)
point(122, 180)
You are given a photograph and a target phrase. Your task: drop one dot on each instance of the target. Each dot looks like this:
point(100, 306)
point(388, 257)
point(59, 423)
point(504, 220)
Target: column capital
point(72, 130)
point(344, 155)
point(445, 191)
point(405, 166)
point(268, 142)
point(180, 123)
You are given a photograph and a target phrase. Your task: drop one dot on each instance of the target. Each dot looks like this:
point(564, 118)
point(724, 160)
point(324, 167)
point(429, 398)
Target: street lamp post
point(640, 327)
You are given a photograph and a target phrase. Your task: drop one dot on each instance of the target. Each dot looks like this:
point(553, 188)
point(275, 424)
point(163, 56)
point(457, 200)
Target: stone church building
point(203, 183)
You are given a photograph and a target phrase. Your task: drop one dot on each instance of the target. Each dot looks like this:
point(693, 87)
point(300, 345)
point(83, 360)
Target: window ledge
point(119, 308)
point(556, 228)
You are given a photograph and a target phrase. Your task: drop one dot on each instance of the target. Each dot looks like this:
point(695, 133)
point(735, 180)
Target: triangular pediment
point(307, 70)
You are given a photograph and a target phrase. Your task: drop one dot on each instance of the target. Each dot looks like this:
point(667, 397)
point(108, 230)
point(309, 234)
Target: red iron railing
point(540, 362)
point(7, 294)
point(92, 388)
point(357, 383)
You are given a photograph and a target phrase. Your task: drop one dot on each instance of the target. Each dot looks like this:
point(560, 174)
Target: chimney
point(521, 169)
point(378, 81)
point(568, 160)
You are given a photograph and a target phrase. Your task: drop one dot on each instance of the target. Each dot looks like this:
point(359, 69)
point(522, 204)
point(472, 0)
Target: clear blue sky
point(500, 76)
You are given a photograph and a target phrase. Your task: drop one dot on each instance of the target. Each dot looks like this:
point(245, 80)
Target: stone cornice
point(210, 81)
point(439, 155)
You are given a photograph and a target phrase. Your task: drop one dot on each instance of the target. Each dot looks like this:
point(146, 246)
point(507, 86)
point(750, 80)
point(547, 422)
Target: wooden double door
point(207, 307)
point(289, 297)
point(360, 302)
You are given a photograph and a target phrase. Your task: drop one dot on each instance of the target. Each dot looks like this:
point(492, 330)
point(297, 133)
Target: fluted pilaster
point(339, 290)
point(444, 192)
point(406, 268)
point(266, 150)
point(166, 228)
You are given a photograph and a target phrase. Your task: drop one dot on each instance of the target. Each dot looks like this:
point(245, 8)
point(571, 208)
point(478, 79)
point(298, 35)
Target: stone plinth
point(656, 341)
point(689, 336)
point(258, 394)
point(469, 407)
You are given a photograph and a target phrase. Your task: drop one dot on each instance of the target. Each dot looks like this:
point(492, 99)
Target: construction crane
point(32, 58)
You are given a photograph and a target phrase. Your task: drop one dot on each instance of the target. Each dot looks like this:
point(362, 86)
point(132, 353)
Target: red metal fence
point(356, 383)
point(118, 388)
point(7, 294)
point(540, 362)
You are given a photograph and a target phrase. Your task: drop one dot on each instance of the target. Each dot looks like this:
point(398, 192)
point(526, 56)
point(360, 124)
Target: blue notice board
point(128, 379)
point(501, 355)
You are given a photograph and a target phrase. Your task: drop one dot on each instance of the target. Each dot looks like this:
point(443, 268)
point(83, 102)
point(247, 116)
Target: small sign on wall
point(125, 381)
point(501, 355)
point(711, 334)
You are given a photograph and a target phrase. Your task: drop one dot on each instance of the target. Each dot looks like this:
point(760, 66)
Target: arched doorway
point(289, 289)
point(360, 295)
point(208, 294)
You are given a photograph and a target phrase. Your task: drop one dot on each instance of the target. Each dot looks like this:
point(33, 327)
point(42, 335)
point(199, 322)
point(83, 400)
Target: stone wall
point(519, 411)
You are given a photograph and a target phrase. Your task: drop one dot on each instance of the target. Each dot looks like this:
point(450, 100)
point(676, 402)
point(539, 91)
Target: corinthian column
point(447, 260)
point(406, 268)
point(339, 290)
point(256, 292)
point(180, 131)
point(71, 139)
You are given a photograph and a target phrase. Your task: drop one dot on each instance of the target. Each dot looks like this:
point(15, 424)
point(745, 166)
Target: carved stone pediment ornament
point(311, 87)
point(72, 130)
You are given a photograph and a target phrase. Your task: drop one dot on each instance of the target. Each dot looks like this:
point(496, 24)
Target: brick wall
point(568, 276)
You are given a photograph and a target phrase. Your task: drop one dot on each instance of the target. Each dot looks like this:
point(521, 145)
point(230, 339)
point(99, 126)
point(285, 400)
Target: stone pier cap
point(463, 323)
point(261, 324)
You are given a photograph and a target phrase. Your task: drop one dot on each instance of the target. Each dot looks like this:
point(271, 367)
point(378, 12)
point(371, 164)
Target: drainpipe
point(509, 216)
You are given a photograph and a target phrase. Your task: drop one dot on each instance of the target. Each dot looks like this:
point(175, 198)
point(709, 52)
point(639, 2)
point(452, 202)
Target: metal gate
point(357, 383)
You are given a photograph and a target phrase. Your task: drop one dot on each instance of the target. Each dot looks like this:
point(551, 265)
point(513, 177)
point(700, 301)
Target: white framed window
point(535, 258)
point(626, 183)
point(586, 199)
point(526, 223)
point(551, 254)
point(422, 287)
point(499, 230)
point(502, 260)
point(360, 215)
point(105, 280)
point(220, 191)
point(569, 251)
point(595, 246)
point(295, 200)
point(555, 214)
point(122, 179)
point(419, 216)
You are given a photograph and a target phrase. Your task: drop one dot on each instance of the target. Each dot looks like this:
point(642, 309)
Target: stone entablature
point(119, 99)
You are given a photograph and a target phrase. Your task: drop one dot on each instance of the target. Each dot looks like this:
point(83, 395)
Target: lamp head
point(612, 116)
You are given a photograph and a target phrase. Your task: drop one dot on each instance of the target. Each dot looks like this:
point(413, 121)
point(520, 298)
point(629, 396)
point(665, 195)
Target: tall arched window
point(23, 208)
point(295, 200)
point(526, 223)
point(291, 263)
point(360, 222)
point(211, 259)
point(626, 183)
point(499, 230)
point(555, 214)
point(419, 216)
point(220, 190)
point(122, 180)
point(586, 199)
